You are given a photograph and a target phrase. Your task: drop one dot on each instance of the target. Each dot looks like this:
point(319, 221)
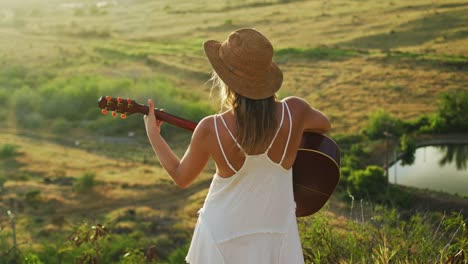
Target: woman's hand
point(184, 171)
point(152, 125)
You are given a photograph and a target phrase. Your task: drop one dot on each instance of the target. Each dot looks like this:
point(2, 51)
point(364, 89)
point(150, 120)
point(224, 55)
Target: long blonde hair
point(256, 122)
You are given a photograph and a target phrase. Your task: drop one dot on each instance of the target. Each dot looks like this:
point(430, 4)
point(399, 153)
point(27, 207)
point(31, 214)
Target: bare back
point(235, 155)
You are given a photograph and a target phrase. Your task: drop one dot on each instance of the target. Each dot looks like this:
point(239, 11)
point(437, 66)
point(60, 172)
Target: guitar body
point(316, 173)
point(316, 170)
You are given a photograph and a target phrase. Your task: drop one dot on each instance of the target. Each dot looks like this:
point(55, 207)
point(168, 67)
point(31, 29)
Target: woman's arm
point(313, 119)
point(183, 171)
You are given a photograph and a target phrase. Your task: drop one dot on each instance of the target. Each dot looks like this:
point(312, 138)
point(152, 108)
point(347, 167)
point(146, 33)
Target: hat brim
point(261, 88)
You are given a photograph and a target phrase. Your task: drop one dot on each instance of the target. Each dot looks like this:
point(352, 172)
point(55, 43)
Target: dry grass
point(166, 38)
point(121, 186)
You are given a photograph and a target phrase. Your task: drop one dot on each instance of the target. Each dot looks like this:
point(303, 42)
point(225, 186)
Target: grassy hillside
point(48, 186)
point(347, 58)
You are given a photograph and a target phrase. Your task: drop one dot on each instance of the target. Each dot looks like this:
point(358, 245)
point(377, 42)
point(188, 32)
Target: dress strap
point(279, 127)
point(289, 135)
point(221, 146)
point(230, 133)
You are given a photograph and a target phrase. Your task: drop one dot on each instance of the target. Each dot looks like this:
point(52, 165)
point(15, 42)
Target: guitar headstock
point(119, 105)
point(128, 106)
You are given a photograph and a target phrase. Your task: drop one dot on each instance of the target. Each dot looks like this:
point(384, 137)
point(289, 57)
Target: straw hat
point(244, 63)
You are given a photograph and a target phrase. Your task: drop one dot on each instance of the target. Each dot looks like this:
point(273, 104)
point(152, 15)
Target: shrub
point(32, 195)
point(2, 182)
point(419, 124)
point(381, 124)
point(67, 98)
point(369, 182)
point(8, 151)
point(4, 96)
point(33, 120)
point(86, 182)
point(178, 256)
point(452, 110)
point(33, 198)
point(133, 256)
point(32, 259)
point(408, 147)
point(345, 172)
point(24, 101)
point(61, 125)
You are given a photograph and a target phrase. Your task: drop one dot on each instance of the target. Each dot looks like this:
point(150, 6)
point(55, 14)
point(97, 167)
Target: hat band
point(234, 70)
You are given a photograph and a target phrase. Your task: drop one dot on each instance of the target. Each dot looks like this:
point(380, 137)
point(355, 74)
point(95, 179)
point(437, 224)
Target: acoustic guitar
point(316, 170)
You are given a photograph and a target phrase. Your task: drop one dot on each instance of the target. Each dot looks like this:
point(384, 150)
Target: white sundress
point(249, 218)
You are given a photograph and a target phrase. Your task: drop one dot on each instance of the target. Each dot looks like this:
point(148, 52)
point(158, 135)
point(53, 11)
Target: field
point(69, 165)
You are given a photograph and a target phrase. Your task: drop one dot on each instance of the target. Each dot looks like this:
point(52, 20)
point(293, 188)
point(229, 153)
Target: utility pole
point(387, 135)
point(395, 163)
point(12, 222)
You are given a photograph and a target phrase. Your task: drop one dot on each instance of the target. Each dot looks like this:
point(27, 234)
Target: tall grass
point(380, 235)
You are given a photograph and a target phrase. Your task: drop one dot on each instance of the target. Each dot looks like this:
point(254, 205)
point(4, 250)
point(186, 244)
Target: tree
point(452, 112)
point(381, 123)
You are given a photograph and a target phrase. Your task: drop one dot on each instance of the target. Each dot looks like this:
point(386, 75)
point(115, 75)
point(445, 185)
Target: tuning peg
point(114, 114)
point(104, 111)
point(123, 116)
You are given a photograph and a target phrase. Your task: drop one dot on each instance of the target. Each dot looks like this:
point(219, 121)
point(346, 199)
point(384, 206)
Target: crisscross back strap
point(232, 135)
point(221, 146)
point(279, 127)
point(289, 135)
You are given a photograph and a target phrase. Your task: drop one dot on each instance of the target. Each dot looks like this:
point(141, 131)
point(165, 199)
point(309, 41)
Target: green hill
point(347, 58)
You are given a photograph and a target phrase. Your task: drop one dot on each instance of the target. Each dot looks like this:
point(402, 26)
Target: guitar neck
point(171, 119)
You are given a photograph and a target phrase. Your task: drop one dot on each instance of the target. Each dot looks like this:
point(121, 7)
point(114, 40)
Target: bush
point(178, 256)
point(33, 198)
point(32, 120)
point(132, 257)
point(32, 195)
point(2, 182)
point(419, 124)
point(408, 147)
point(369, 182)
point(67, 98)
point(382, 123)
point(345, 172)
point(85, 183)
point(8, 151)
point(452, 110)
point(25, 103)
point(61, 125)
point(32, 259)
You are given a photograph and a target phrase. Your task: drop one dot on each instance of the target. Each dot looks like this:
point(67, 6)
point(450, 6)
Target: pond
point(439, 168)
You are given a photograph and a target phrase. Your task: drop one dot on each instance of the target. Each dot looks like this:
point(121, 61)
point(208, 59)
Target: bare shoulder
point(313, 119)
point(205, 126)
point(297, 104)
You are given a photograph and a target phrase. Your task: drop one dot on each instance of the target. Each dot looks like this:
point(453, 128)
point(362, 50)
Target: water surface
point(439, 168)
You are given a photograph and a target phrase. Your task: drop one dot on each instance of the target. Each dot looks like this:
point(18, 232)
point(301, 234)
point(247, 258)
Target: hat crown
point(248, 52)
point(244, 61)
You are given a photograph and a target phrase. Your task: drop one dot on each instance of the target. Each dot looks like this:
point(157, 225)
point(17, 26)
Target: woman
point(249, 212)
